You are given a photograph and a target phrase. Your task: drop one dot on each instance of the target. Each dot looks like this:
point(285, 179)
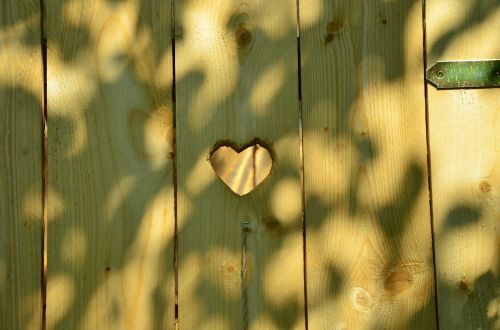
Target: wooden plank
point(465, 153)
point(236, 80)
point(369, 247)
point(21, 113)
point(111, 219)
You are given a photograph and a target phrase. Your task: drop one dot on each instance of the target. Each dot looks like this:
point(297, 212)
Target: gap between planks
point(44, 160)
point(429, 162)
point(302, 173)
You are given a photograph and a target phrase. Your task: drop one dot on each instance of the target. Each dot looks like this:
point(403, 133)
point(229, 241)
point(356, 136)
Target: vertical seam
point(429, 166)
point(44, 160)
point(174, 170)
point(302, 174)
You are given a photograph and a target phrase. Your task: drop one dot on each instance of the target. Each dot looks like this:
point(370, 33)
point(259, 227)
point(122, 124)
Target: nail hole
point(241, 169)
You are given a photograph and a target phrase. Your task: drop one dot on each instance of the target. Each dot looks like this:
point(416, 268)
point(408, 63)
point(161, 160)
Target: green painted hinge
point(465, 74)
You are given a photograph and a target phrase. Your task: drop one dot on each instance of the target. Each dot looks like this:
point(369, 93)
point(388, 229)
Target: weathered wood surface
point(110, 208)
point(465, 155)
point(369, 245)
point(21, 104)
point(237, 79)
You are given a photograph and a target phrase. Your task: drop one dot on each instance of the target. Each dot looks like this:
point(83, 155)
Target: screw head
point(440, 74)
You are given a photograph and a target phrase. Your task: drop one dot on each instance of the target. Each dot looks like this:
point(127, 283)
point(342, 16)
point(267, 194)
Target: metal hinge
point(465, 74)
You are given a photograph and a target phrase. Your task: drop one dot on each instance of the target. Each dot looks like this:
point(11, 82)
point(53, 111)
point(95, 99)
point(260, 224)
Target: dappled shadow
point(111, 167)
point(20, 207)
point(21, 94)
point(372, 222)
point(470, 293)
point(477, 302)
point(462, 216)
point(477, 13)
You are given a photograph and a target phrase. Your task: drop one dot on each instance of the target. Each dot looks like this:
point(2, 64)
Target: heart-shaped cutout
point(244, 169)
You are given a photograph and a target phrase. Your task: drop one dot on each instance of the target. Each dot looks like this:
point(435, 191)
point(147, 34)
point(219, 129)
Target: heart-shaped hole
point(242, 170)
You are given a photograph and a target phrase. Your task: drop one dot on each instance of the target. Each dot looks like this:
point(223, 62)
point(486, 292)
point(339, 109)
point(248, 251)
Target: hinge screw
point(440, 74)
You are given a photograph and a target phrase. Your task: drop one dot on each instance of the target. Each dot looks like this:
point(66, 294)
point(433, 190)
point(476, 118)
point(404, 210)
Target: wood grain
point(21, 113)
point(369, 246)
point(237, 80)
point(465, 153)
point(110, 208)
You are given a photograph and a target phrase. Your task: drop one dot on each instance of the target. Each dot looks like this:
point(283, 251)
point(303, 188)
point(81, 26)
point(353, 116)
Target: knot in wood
point(361, 299)
point(398, 280)
point(484, 186)
point(332, 30)
point(243, 36)
point(334, 26)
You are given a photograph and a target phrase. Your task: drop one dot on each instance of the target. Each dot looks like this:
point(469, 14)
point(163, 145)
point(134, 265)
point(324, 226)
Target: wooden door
point(235, 164)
